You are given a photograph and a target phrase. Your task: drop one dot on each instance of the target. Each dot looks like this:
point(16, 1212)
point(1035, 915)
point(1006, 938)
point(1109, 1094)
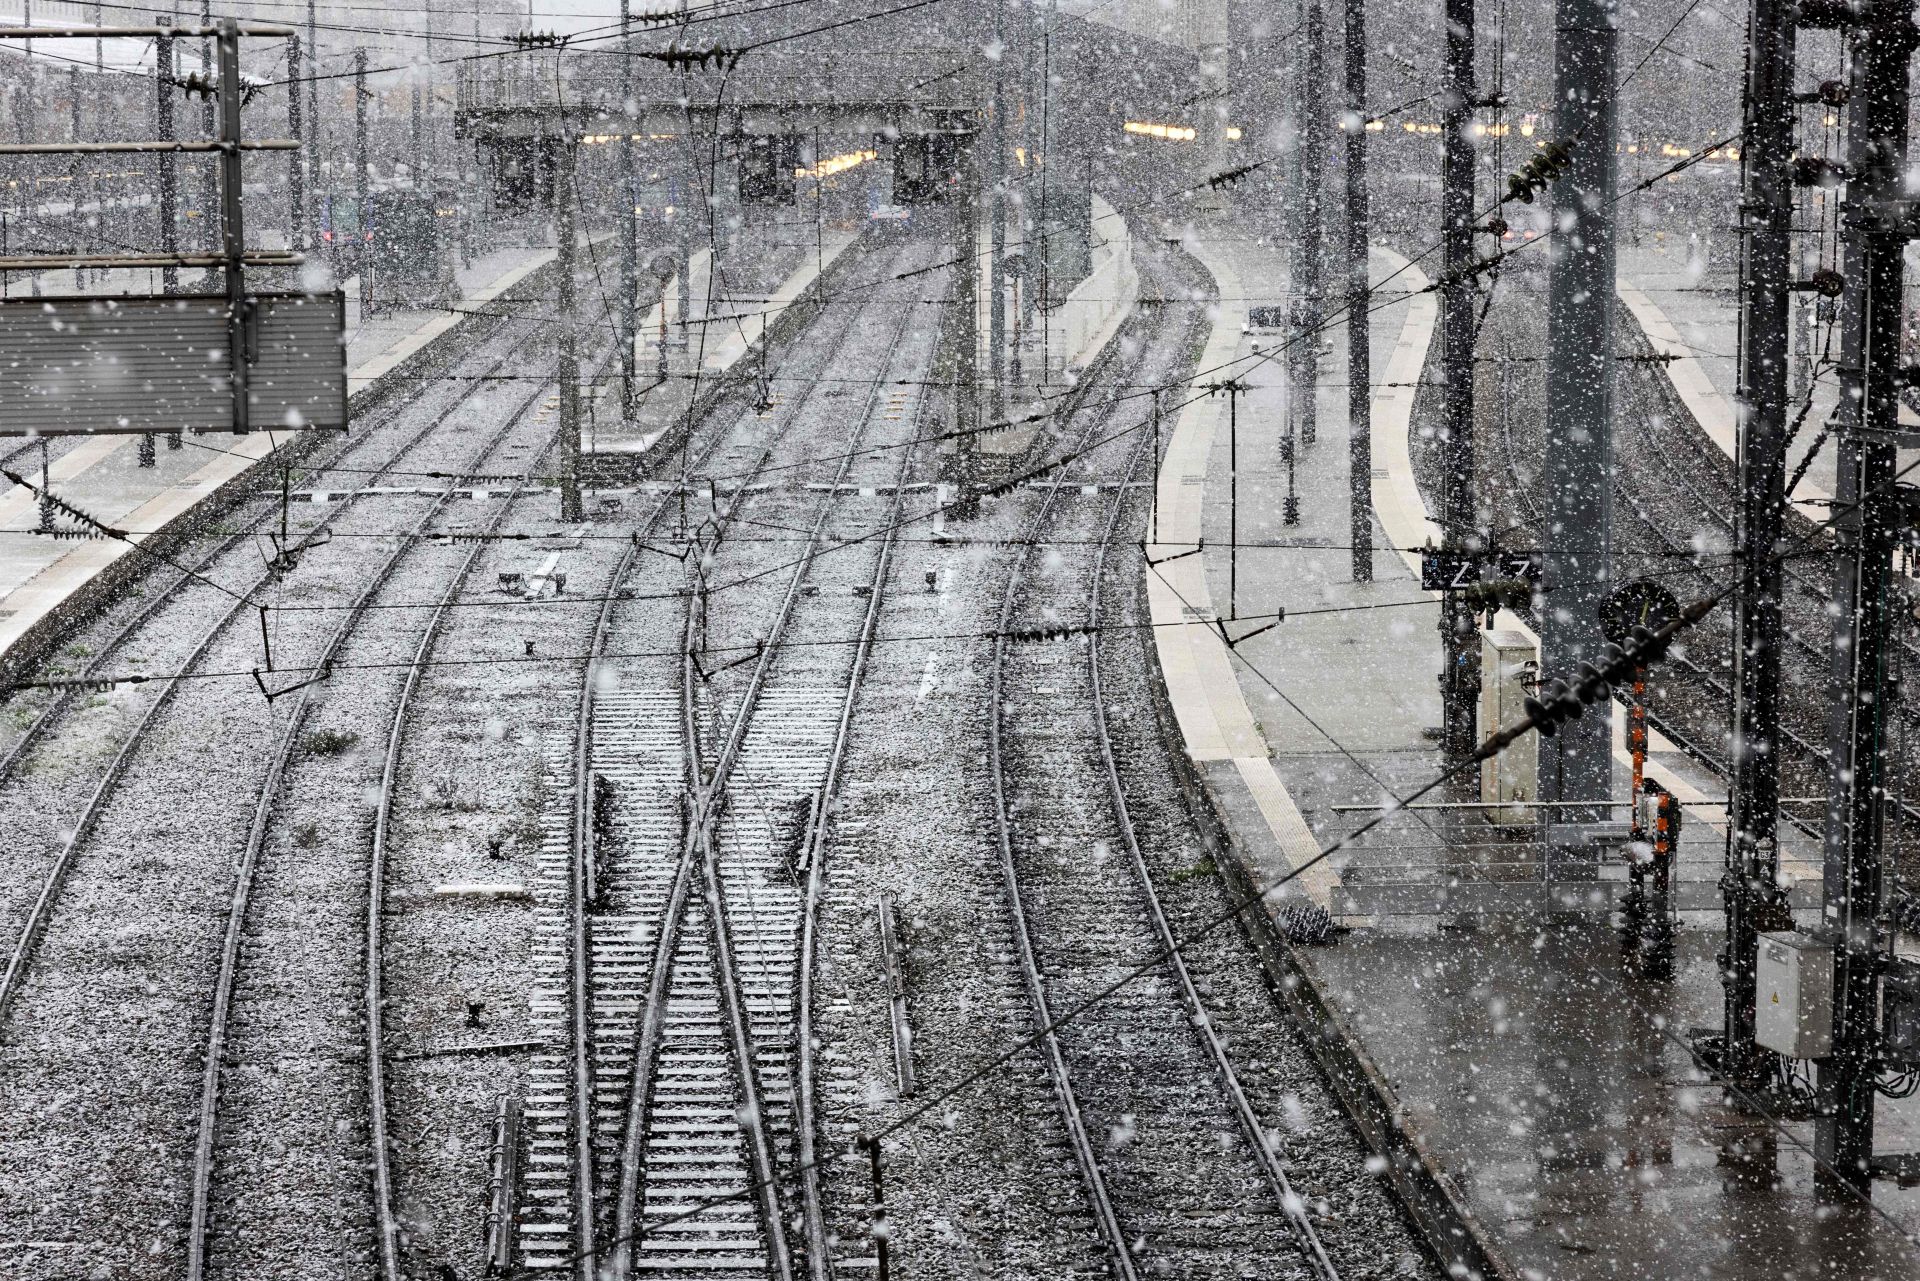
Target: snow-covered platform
point(682, 358)
point(1536, 1099)
point(101, 475)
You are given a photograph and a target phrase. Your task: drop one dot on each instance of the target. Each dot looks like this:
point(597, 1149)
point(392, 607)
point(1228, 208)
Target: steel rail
point(1101, 1203)
point(813, 856)
point(157, 600)
point(708, 788)
point(387, 1222)
point(1530, 508)
point(1291, 1205)
point(211, 1072)
point(42, 910)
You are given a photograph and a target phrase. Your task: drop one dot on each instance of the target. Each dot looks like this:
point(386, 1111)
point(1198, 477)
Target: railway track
point(1647, 496)
point(237, 605)
point(1122, 1072)
point(657, 999)
point(169, 740)
point(771, 738)
point(243, 955)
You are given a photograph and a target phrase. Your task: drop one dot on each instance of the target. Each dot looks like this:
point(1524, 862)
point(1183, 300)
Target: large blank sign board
point(83, 365)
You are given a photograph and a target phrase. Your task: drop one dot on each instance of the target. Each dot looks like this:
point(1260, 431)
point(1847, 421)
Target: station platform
point(1536, 1096)
point(101, 475)
point(1689, 314)
point(684, 358)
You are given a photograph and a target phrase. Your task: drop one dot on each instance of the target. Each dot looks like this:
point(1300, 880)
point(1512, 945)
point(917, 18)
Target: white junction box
point(1793, 1009)
point(1509, 669)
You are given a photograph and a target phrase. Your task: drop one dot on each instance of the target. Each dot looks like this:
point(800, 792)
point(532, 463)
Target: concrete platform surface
point(1560, 1095)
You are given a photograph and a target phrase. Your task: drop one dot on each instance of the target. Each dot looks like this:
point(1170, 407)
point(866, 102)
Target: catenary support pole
point(233, 235)
point(1750, 885)
point(362, 247)
point(164, 73)
point(996, 274)
point(1860, 696)
point(1459, 520)
point(313, 123)
point(629, 232)
point(1359, 335)
point(1577, 535)
point(1317, 134)
point(571, 508)
point(297, 226)
point(210, 122)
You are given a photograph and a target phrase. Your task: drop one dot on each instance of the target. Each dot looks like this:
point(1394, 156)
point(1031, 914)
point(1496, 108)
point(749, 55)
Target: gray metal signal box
point(1793, 1010)
point(1510, 667)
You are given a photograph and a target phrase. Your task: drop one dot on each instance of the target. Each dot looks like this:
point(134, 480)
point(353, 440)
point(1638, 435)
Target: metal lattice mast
point(1875, 222)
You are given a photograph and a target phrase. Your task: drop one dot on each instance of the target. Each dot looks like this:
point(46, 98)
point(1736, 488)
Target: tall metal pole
point(1314, 119)
point(210, 189)
point(966, 234)
point(997, 280)
point(232, 226)
point(312, 140)
point(297, 225)
point(24, 104)
point(73, 169)
point(1577, 540)
point(1359, 335)
point(571, 508)
point(1212, 88)
point(164, 75)
point(1865, 529)
point(1750, 886)
point(361, 254)
point(1291, 227)
point(629, 233)
point(1460, 640)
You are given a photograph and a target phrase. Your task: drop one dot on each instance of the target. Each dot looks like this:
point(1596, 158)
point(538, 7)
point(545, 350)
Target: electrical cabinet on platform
point(1509, 670)
point(1793, 1012)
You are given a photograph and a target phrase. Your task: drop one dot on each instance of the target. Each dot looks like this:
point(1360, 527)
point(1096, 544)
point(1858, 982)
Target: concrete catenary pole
point(418, 160)
point(1359, 335)
point(1213, 91)
point(1866, 525)
point(1750, 888)
point(1459, 523)
point(1577, 540)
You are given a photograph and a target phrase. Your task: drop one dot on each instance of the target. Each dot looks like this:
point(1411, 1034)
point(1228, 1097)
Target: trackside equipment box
point(1509, 669)
point(1793, 1012)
